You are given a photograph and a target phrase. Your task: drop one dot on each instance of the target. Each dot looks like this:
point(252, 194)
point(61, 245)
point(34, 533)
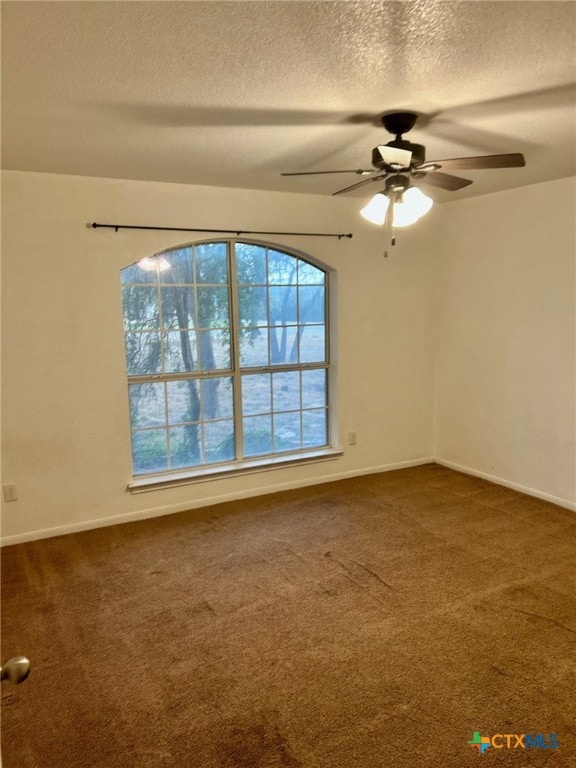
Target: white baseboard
point(514, 486)
point(171, 509)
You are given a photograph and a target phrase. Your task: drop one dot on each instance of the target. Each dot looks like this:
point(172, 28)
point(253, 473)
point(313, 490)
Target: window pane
point(314, 431)
point(257, 435)
point(214, 350)
point(250, 263)
point(252, 306)
point(140, 308)
point(193, 400)
point(213, 309)
point(181, 270)
point(314, 389)
point(282, 268)
point(149, 451)
point(311, 304)
point(219, 441)
point(135, 274)
point(143, 353)
point(256, 394)
point(287, 431)
point(286, 387)
point(180, 351)
point(312, 344)
point(211, 263)
point(307, 274)
point(183, 401)
point(217, 398)
point(254, 347)
point(185, 448)
point(147, 405)
point(177, 307)
point(283, 344)
point(282, 302)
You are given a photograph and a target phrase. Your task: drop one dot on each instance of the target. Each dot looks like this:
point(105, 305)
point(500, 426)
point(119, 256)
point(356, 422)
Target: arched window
point(227, 357)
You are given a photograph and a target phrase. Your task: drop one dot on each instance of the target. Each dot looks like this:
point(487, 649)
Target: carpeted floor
point(366, 623)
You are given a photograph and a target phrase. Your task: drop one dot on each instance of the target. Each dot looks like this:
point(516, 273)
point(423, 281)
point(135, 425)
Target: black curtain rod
point(116, 227)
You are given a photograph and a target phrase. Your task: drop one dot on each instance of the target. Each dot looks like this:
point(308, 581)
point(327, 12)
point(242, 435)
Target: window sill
point(222, 471)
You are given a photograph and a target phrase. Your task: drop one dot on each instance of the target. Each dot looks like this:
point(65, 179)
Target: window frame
point(261, 462)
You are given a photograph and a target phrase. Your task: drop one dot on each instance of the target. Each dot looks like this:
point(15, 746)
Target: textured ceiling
point(234, 93)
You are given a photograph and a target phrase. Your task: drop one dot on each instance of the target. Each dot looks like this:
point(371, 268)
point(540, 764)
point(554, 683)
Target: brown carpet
point(371, 622)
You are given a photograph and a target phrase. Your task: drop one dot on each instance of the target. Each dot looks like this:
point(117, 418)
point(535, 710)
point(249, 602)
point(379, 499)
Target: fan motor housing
point(399, 122)
point(397, 183)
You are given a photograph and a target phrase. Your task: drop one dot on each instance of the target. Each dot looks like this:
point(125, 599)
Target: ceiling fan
point(407, 160)
point(398, 163)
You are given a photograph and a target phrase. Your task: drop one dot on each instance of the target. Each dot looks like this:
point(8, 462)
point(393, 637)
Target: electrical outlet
point(352, 438)
point(9, 493)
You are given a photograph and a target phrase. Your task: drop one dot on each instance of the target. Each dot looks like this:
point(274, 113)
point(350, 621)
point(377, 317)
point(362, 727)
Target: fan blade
point(360, 172)
point(392, 155)
point(359, 184)
point(445, 181)
point(478, 163)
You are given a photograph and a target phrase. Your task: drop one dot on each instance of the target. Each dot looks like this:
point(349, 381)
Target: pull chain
point(392, 242)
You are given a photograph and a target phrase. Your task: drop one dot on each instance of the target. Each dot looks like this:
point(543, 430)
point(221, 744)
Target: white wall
point(505, 337)
point(65, 412)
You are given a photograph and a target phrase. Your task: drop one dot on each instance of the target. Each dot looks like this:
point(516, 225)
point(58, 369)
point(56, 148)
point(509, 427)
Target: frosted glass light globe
point(404, 215)
point(417, 201)
point(375, 210)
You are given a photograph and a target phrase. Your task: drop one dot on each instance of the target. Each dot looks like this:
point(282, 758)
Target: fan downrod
point(398, 123)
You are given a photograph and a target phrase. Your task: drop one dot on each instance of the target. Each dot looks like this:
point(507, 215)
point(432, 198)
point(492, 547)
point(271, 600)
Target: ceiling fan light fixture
point(375, 210)
point(417, 201)
point(412, 206)
point(403, 215)
point(409, 206)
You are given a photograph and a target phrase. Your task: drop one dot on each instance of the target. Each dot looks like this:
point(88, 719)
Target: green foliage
point(149, 451)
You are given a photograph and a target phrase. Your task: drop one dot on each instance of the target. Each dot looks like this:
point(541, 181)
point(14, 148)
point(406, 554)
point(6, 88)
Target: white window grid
point(236, 372)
